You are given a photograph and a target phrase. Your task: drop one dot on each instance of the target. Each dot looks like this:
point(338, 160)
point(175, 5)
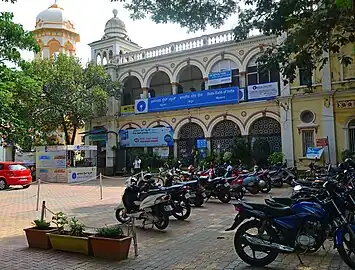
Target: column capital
point(242, 72)
point(144, 88)
point(205, 79)
point(174, 83)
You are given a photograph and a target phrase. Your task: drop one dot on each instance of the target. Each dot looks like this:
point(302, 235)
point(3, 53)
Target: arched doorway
point(131, 90)
point(160, 85)
point(351, 135)
point(223, 135)
point(190, 80)
point(265, 138)
point(187, 141)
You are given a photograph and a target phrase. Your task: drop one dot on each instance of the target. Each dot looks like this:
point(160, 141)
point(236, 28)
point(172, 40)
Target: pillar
point(174, 86)
point(145, 92)
point(209, 147)
point(206, 83)
point(287, 130)
point(242, 79)
point(111, 153)
point(175, 148)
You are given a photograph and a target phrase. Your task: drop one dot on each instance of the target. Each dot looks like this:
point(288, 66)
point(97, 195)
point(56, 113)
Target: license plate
point(187, 195)
point(226, 185)
point(168, 208)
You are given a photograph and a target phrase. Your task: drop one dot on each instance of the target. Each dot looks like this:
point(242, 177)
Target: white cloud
point(90, 16)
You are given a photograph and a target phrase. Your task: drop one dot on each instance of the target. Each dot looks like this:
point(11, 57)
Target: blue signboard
point(206, 98)
point(201, 143)
point(314, 152)
point(146, 137)
point(218, 78)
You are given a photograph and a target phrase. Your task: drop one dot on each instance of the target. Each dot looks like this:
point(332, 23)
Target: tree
point(15, 86)
point(71, 95)
point(312, 26)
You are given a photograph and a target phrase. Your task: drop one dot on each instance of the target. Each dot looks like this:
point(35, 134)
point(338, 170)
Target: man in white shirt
point(137, 165)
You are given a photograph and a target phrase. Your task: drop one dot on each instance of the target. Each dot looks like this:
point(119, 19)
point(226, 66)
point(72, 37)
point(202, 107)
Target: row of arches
point(223, 133)
point(192, 77)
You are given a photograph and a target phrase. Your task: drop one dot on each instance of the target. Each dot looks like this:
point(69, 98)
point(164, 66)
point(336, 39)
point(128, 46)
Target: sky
point(90, 17)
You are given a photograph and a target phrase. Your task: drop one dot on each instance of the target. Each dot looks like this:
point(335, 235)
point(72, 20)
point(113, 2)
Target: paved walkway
point(198, 243)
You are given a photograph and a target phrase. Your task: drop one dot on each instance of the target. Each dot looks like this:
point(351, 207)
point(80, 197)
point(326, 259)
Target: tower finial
point(115, 12)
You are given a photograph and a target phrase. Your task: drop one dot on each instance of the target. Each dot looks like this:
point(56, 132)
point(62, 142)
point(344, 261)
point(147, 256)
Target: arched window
point(257, 75)
point(225, 65)
point(351, 131)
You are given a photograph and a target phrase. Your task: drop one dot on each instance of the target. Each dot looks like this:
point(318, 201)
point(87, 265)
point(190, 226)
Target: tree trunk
point(74, 134)
point(66, 133)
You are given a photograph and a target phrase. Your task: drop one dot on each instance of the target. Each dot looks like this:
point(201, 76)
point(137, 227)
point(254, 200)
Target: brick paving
point(198, 243)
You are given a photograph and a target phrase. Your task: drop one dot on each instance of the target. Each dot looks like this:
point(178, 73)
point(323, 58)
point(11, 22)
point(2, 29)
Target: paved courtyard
point(198, 243)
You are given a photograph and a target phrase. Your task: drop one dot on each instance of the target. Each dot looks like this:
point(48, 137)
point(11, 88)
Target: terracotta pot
point(38, 238)
point(110, 248)
point(70, 243)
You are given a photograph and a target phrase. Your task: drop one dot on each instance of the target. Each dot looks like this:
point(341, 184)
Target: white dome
point(115, 27)
point(53, 14)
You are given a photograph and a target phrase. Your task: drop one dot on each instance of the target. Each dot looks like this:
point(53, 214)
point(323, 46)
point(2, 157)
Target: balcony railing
point(176, 47)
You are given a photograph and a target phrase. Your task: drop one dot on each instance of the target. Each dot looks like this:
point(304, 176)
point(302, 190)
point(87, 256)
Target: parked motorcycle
point(300, 228)
point(154, 206)
point(258, 181)
point(217, 188)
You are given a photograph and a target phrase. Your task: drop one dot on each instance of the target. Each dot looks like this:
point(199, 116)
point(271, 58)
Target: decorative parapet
point(176, 47)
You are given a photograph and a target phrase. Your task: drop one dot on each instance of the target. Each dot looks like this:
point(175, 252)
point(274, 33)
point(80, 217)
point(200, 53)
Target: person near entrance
point(137, 165)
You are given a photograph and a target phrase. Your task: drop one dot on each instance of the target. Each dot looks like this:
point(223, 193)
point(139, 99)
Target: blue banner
point(146, 137)
point(218, 78)
point(314, 152)
point(189, 100)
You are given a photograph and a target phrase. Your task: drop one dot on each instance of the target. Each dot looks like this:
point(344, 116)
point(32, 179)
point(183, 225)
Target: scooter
point(153, 205)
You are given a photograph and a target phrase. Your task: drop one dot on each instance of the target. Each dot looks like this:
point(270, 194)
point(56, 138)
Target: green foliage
point(261, 151)
point(347, 154)
point(17, 90)
point(60, 220)
point(76, 228)
point(275, 158)
point(110, 232)
point(41, 224)
point(241, 152)
point(69, 93)
point(227, 156)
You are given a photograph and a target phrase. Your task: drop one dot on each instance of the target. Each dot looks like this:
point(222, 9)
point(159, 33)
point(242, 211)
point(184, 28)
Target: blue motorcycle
point(300, 228)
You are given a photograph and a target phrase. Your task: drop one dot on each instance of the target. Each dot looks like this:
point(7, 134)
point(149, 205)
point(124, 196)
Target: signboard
point(146, 137)
point(26, 157)
point(127, 110)
point(52, 175)
point(161, 151)
point(322, 142)
point(82, 147)
point(189, 100)
point(81, 174)
point(218, 78)
point(201, 143)
point(263, 91)
point(53, 160)
point(314, 152)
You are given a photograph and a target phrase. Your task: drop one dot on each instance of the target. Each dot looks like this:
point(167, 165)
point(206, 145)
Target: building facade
point(290, 118)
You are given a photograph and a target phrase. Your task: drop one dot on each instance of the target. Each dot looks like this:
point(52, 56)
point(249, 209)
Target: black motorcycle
point(217, 187)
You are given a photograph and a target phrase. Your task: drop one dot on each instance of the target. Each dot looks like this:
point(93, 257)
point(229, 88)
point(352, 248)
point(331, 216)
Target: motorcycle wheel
point(198, 202)
point(240, 243)
point(267, 188)
point(345, 254)
point(225, 197)
point(162, 221)
point(121, 216)
point(239, 194)
point(254, 190)
point(179, 208)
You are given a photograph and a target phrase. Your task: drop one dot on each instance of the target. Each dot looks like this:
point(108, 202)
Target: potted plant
point(110, 243)
point(74, 240)
point(37, 235)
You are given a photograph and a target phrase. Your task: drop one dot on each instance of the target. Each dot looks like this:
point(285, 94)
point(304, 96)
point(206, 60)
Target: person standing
point(137, 165)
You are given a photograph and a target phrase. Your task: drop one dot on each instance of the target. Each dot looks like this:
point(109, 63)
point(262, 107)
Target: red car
point(14, 174)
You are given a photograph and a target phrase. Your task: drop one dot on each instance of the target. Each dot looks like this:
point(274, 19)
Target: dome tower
point(55, 32)
point(114, 42)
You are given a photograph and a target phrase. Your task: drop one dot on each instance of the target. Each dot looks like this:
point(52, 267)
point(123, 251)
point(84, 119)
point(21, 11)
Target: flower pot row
point(89, 244)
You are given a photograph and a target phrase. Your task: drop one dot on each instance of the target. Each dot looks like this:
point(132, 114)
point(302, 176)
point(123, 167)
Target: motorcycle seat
point(189, 183)
point(279, 201)
point(230, 179)
point(151, 192)
point(171, 188)
point(272, 211)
